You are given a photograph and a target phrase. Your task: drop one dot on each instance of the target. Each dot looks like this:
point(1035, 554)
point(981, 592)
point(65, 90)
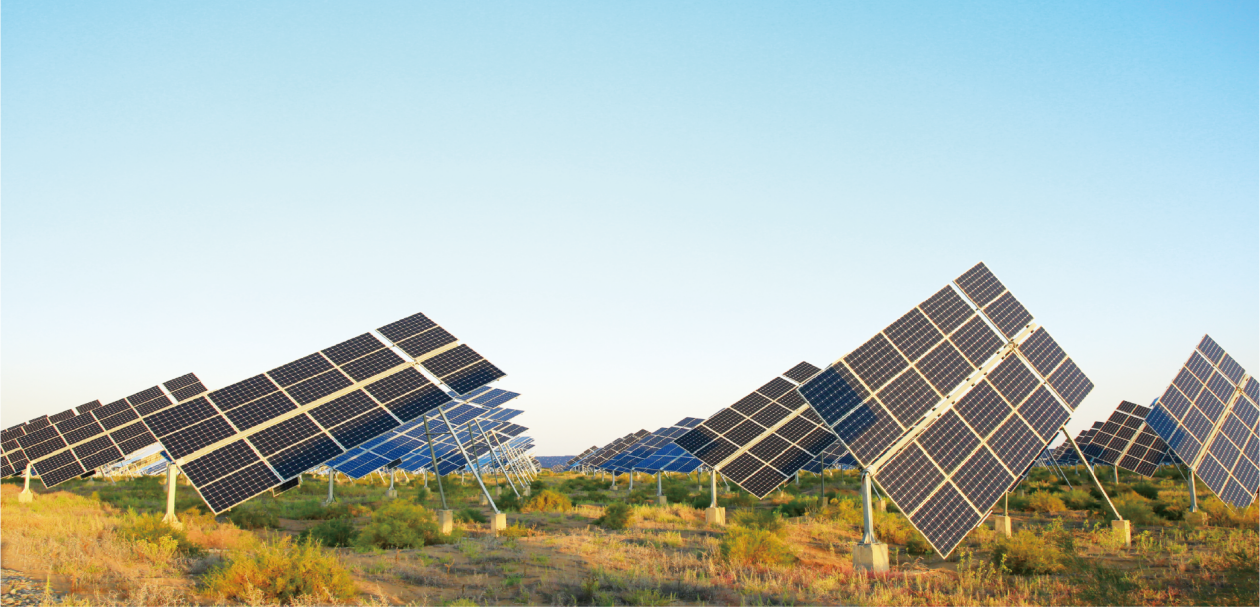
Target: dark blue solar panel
point(218, 463)
point(946, 309)
point(318, 387)
point(982, 408)
point(373, 364)
point(945, 519)
point(944, 367)
point(1013, 380)
point(868, 431)
point(909, 477)
point(1043, 413)
point(832, 394)
point(913, 334)
point(1015, 444)
point(982, 479)
point(1210, 350)
point(426, 342)
point(204, 434)
point(949, 441)
point(342, 408)
point(908, 397)
point(876, 361)
point(1199, 366)
point(301, 369)
point(242, 392)
point(980, 284)
point(422, 401)
point(264, 409)
point(238, 487)
point(351, 349)
point(477, 375)
point(304, 456)
point(284, 434)
point(1042, 351)
point(1071, 383)
point(976, 341)
point(402, 329)
point(362, 428)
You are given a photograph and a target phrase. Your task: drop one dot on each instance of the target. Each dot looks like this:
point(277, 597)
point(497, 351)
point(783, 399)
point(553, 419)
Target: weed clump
point(399, 524)
point(616, 516)
point(1146, 490)
point(548, 501)
point(282, 571)
point(333, 533)
point(917, 545)
point(253, 518)
point(1077, 499)
point(1023, 553)
point(153, 538)
point(1044, 502)
point(1135, 509)
point(765, 520)
point(754, 546)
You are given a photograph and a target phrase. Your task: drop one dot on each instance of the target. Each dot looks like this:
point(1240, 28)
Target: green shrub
point(918, 545)
point(1172, 508)
point(1078, 499)
point(617, 515)
point(537, 486)
point(753, 546)
point(470, 515)
point(149, 528)
point(1016, 502)
point(796, 507)
point(253, 518)
point(1134, 509)
point(508, 502)
point(399, 524)
point(677, 493)
point(1044, 502)
point(423, 494)
point(582, 484)
point(765, 520)
point(282, 571)
point(1024, 553)
point(548, 501)
point(1146, 490)
point(333, 533)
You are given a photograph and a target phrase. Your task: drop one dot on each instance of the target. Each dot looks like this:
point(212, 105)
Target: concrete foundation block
point(882, 505)
point(526, 492)
point(481, 497)
point(498, 490)
point(715, 516)
point(661, 500)
point(498, 522)
point(1002, 525)
point(172, 522)
point(391, 493)
point(1123, 530)
point(26, 496)
point(870, 557)
point(446, 521)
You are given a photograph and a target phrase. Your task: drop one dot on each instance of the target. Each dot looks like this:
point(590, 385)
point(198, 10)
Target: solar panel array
point(765, 437)
point(1212, 401)
point(238, 441)
point(631, 458)
point(13, 458)
point(833, 457)
point(568, 465)
point(951, 403)
point(409, 437)
point(1127, 441)
point(75, 444)
point(609, 451)
point(670, 458)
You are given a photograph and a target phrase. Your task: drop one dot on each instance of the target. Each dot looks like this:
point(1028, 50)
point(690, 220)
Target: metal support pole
point(26, 495)
point(1063, 474)
point(713, 487)
point(631, 488)
point(495, 457)
point(1116, 470)
point(868, 516)
point(1094, 476)
point(1194, 497)
point(460, 445)
point(437, 474)
point(170, 518)
point(727, 483)
point(658, 484)
point(332, 477)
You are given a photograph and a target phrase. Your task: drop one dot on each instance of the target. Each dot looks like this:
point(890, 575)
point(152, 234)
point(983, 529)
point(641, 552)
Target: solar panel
point(77, 443)
point(764, 438)
point(634, 457)
point(601, 457)
point(1128, 441)
point(951, 403)
point(1212, 402)
point(260, 432)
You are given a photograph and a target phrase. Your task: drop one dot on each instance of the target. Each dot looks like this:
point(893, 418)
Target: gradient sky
point(640, 211)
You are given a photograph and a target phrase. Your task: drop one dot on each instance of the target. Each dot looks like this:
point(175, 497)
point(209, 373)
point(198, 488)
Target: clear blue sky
point(639, 211)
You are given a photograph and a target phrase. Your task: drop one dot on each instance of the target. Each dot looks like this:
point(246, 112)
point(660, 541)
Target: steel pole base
point(1124, 531)
point(26, 496)
point(715, 516)
point(871, 557)
point(170, 520)
point(1002, 525)
point(446, 521)
point(498, 522)
point(661, 500)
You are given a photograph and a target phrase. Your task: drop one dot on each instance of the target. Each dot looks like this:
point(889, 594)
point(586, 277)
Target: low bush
point(333, 533)
point(1024, 553)
point(891, 528)
point(1135, 509)
point(1078, 499)
point(517, 530)
point(616, 516)
point(796, 507)
point(399, 524)
point(423, 494)
point(282, 571)
point(1220, 514)
point(1171, 508)
point(508, 502)
point(470, 515)
point(1146, 490)
point(156, 535)
point(765, 520)
point(753, 546)
point(582, 484)
point(918, 545)
point(247, 517)
point(548, 501)
point(1044, 502)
